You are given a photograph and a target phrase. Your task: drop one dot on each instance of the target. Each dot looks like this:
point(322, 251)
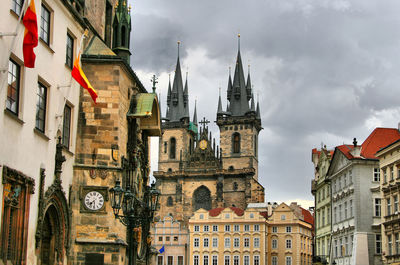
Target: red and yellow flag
point(30, 35)
point(80, 77)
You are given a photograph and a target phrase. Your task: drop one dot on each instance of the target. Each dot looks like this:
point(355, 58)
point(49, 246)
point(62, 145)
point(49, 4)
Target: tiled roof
point(307, 216)
point(346, 149)
point(216, 211)
point(264, 214)
point(378, 139)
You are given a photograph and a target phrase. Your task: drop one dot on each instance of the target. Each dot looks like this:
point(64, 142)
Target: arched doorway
point(50, 237)
point(202, 198)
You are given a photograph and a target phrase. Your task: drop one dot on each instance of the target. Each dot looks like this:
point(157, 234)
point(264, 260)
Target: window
point(351, 208)
point(170, 201)
point(340, 213)
point(172, 148)
point(392, 173)
point(206, 228)
point(274, 243)
point(205, 260)
point(390, 244)
point(256, 260)
point(180, 260)
point(195, 260)
point(396, 204)
point(236, 142)
point(16, 6)
point(378, 244)
point(246, 242)
point(288, 229)
point(236, 242)
point(227, 242)
point(167, 238)
point(288, 243)
point(336, 249)
point(252, 215)
point(14, 75)
point(235, 260)
point(214, 260)
point(246, 228)
point(345, 210)
point(283, 217)
point(246, 260)
point(196, 228)
point(227, 228)
point(346, 246)
point(377, 174)
point(69, 55)
point(205, 242)
point(16, 195)
point(397, 244)
point(170, 260)
point(274, 229)
point(215, 242)
point(274, 260)
point(227, 216)
point(45, 25)
point(256, 242)
point(175, 238)
point(215, 228)
point(160, 238)
point(384, 175)
point(256, 228)
point(236, 228)
point(377, 207)
point(389, 206)
point(165, 147)
point(66, 126)
point(196, 242)
point(288, 260)
point(227, 260)
point(41, 107)
point(160, 260)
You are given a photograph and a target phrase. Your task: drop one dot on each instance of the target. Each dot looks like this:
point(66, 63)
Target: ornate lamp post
point(137, 216)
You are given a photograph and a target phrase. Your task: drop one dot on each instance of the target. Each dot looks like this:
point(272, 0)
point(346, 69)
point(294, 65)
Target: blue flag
point(161, 250)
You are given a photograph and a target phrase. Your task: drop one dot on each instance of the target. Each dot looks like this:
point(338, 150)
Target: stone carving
point(202, 198)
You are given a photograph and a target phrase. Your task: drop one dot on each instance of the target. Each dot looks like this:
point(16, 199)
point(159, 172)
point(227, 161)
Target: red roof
point(346, 149)
point(315, 151)
point(378, 139)
point(217, 211)
point(264, 214)
point(307, 216)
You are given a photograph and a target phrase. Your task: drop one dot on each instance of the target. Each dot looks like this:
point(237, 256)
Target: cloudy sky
point(325, 71)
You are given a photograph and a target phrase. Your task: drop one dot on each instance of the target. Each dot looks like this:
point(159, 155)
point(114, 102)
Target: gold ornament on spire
point(129, 8)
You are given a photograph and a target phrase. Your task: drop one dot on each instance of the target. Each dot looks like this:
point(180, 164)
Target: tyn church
point(194, 172)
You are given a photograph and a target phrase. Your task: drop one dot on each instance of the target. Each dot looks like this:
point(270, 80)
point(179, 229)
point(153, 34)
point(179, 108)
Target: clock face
point(94, 200)
point(203, 144)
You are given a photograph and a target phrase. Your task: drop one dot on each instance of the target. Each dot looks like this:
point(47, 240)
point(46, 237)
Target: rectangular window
point(256, 242)
point(390, 244)
point(167, 238)
point(345, 210)
point(236, 228)
point(288, 260)
point(335, 215)
point(246, 260)
point(205, 260)
point(397, 243)
point(288, 229)
point(378, 244)
point(66, 126)
point(274, 229)
point(274, 243)
point(45, 24)
point(196, 228)
point(165, 147)
point(215, 242)
point(274, 260)
point(195, 260)
point(346, 246)
point(377, 174)
point(196, 242)
point(227, 228)
point(377, 207)
point(206, 228)
point(205, 242)
point(389, 206)
point(392, 173)
point(246, 228)
point(288, 243)
point(351, 208)
point(69, 55)
point(16, 6)
point(227, 260)
point(235, 260)
point(13, 90)
point(384, 175)
point(41, 107)
point(180, 260)
point(17, 190)
point(236, 242)
point(256, 228)
point(246, 242)
point(340, 213)
point(160, 238)
point(256, 260)
point(175, 238)
point(214, 260)
point(215, 228)
point(170, 260)
point(160, 260)
point(227, 242)
point(396, 204)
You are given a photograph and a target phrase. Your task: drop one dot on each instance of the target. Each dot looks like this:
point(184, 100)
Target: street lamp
point(137, 215)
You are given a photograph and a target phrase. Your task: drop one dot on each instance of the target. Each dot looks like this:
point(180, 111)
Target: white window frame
point(215, 242)
point(236, 242)
point(288, 229)
point(196, 242)
point(196, 228)
point(246, 242)
point(196, 260)
point(227, 242)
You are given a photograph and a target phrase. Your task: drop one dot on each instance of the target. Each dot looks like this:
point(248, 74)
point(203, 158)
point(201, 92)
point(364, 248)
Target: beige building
point(170, 235)
point(228, 236)
point(389, 162)
point(289, 236)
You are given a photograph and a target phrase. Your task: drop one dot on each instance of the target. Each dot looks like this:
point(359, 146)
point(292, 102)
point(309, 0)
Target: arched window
point(190, 146)
point(202, 198)
point(255, 146)
point(236, 143)
point(169, 201)
point(172, 148)
point(235, 186)
point(123, 36)
point(165, 147)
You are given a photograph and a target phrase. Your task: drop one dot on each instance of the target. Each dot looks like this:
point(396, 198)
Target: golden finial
point(129, 8)
point(238, 35)
point(124, 3)
point(86, 33)
point(116, 4)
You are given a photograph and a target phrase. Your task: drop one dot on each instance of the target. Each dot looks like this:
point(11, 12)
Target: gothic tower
point(178, 132)
point(240, 124)
point(122, 30)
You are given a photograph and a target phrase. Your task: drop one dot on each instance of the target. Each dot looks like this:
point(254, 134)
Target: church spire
point(252, 109)
point(122, 30)
point(219, 110)
point(195, 113)
point(248, 85)
point(258, 115)
point(186, 98)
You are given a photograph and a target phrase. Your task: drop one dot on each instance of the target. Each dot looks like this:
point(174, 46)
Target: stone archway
point(50, 237)
point(202, 198)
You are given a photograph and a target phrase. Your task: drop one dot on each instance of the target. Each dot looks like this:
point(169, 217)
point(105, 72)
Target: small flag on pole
point(162, 250)
point(80, 77)
point(30, 35)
